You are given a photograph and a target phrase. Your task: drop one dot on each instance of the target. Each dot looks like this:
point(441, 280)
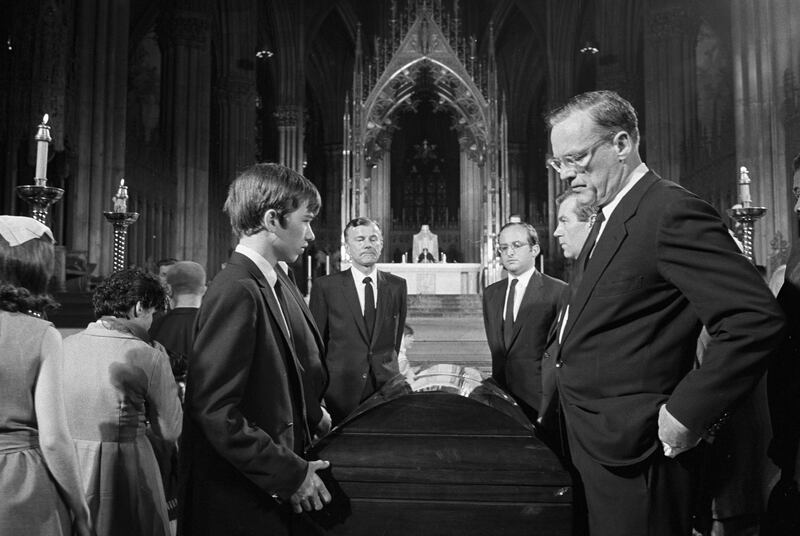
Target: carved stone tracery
point(424, 57)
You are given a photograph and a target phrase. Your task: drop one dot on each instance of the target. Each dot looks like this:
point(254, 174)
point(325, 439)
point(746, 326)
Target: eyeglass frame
point(571, 162)
point(505, 249)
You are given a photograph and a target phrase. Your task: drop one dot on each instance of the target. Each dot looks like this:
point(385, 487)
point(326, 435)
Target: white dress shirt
point(522, 283)
point(358, 278)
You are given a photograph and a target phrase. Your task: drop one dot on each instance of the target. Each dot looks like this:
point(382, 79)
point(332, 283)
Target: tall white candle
point(43, 140)
point(121, 199)
point(744, 187)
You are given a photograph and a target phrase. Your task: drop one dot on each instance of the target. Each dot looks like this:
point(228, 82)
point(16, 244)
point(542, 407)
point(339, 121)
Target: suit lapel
point(607, 246)
point(294, 294)
point(351, 299)
point(527, 305)
point(384, 301)
point(495, 306)
point(266, 293)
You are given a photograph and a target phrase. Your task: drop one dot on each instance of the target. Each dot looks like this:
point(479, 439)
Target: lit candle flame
point(45, 119)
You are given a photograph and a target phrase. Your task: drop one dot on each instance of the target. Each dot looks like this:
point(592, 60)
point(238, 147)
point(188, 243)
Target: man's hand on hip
point(674, 436)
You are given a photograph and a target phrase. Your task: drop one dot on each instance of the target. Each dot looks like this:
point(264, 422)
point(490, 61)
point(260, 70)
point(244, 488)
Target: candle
point(744, 187)
point(43, 140)
point(121, 199)
point(327, 264)
point(405, 258)
point(309, 266)
point(444, 257)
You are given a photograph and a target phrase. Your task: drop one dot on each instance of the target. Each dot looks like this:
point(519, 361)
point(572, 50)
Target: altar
point(437, 278)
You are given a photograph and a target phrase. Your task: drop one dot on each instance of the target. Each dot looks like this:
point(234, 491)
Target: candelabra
point(121, 219)
point(745, 214)
point(747, 217)
point(38, 195)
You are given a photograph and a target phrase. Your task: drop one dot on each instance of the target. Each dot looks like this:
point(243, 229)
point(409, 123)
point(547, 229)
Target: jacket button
point(559, 364)
point(547, 355)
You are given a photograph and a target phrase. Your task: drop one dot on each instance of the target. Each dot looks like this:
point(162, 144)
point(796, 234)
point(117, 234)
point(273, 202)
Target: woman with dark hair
point(39, 476)
point(118, 387)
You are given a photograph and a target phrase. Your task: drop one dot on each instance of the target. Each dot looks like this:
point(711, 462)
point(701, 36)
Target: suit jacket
point(352, 358)
point(245, 426)
point(664, 265)
point(518, 367)
point(549, 411)
point(309, 348)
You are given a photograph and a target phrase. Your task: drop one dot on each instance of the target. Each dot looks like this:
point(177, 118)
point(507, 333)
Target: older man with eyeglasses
point(517, 314)
point(658, 264)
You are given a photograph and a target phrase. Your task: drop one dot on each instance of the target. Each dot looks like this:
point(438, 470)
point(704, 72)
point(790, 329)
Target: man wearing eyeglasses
point(658, 264)
point(517, 313)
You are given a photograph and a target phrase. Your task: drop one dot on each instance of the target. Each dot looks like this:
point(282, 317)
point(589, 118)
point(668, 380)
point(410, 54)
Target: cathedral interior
point(412, 112)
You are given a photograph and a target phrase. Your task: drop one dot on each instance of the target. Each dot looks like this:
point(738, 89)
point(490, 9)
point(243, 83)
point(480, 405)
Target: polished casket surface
point(448, 454)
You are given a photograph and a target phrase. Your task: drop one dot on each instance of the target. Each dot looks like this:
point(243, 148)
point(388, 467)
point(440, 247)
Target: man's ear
point(271, 220)
point(536, 250)
point(623, 144)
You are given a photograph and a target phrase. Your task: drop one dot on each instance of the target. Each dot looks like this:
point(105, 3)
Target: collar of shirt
point(522, 283)
point(262, 264)
point(269, 273)
point(358, 279)
point(637, 174)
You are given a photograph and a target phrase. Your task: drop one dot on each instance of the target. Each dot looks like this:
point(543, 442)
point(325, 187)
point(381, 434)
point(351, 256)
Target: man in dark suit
point(658, 264)
point(783, 384)
point(575, 220)
point(361, 325)
point(248, 414)
point(517, 314)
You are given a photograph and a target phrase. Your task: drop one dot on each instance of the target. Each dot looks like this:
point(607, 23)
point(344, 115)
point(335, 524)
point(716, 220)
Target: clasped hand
point(312, 493)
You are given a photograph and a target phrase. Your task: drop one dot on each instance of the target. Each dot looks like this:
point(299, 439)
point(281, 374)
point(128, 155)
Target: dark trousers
point(651, 498)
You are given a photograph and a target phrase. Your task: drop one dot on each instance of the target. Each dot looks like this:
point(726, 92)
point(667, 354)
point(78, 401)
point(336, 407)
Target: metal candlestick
point(747, 217)
point(39, 197)
point(121, 221)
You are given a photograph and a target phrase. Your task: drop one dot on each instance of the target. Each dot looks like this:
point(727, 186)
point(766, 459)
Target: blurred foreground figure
point(39, 475)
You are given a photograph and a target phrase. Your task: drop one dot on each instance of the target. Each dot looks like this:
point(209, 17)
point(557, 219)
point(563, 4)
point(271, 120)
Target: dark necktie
point(583, 258)
point(591, 240)
point(279, 293)
point(369, 306)
point(508, 321)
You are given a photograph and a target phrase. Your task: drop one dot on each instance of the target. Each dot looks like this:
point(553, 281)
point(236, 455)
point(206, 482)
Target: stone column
point(289, 27)
point(670, 94)
point(472, 209)
point(379, 191)
point(516, 171)
point(290, 135)
point(102, 74)
point(562, 49)
point(185, 123)
point(765, 56)
point(620, 52)
point(332, 196)
point(235, 95)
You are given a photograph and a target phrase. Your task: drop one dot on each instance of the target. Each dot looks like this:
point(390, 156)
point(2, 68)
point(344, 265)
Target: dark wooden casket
point(450, 455)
